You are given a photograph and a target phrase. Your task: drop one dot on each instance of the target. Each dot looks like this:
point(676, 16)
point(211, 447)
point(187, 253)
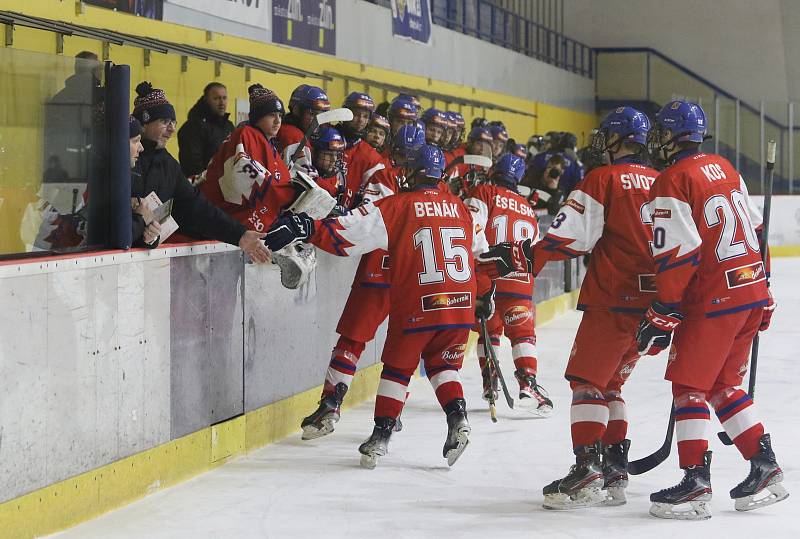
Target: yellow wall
point(183, 88)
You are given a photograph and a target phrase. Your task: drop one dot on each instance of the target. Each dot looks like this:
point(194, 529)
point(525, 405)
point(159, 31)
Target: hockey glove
point(507, 257)
point(655, 329)
point(287, 229)
point(485, 306)
point(766, 317)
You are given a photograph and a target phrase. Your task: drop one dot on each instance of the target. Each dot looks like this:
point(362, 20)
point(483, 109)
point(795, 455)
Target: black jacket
point(158, 171)
point(200, 137)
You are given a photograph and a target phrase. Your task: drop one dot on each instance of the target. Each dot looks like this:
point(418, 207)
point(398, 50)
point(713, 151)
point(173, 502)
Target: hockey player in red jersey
point(607, 215)
point(327, 159)
point(360, 159)
point(247, 177)
point(505, 215)
point(368, 303)
point(378, 133)
point(712, 292)
point(435, 123)
point(431, 239)
point(463, 176)
point(305, 103)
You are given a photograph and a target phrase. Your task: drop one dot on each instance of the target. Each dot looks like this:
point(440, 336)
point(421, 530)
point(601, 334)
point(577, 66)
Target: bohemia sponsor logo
point(745, 275)
point(575, 205)
point(454, 354)
point(517, 315)
point(662, 213)
point(447, 300)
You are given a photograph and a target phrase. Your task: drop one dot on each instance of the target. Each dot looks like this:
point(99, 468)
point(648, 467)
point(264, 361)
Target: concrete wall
point(748, 48)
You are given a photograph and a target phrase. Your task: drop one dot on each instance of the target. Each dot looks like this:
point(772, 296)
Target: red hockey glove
point(655, 329)
point(508, 258)
point(766, 317)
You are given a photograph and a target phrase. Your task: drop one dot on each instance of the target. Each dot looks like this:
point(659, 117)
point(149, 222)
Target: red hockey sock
point(481, 352)
point(342, 366)
point(588, 414)
point(392, 391)
point(691, 425)
point(446, 383)
point(617, 428)
point(734, 409)
point(524, 353)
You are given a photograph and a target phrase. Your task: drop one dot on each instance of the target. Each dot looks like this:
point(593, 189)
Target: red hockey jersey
point(505, 215)
point(248, 179)
point(361, 162)
point(607, 214)
point(705, 244)
point(431, 239)
point(373, 270)
point(288, 135)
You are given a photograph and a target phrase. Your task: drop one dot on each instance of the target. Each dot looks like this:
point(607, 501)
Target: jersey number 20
point(731, 214)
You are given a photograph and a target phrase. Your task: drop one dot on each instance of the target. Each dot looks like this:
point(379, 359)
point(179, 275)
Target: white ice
point(316, 488)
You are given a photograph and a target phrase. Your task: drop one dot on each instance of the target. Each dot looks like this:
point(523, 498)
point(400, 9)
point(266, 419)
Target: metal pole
point(790, 174)
point(717, 130)
point(762, 141)
point(738, 132)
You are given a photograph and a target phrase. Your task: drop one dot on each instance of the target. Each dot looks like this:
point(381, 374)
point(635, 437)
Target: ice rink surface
point(317, 488)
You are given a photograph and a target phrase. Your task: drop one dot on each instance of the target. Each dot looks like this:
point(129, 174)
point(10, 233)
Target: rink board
point(131, 371)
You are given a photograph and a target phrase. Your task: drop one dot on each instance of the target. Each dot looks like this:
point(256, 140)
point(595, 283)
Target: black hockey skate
point(458, 430)
point(581, 486)
point(532, 396)
point(615, 472)
point(491, 384)
point(694, 489)
point(377, 445)
point(764, 474)
point(322, 421)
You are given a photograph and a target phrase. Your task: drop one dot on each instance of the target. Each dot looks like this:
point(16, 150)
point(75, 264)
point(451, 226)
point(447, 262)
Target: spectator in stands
point(157, 171)
point(545, 185)
point(207, 126)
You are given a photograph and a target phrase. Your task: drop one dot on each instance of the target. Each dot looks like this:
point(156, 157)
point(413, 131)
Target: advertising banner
point(307, 24)
point(152, 9)
point(249, 12)
point(411, 19)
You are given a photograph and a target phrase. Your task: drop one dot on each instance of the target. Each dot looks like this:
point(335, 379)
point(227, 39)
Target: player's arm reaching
point(676, 251)
point(575, 230)
point(361, 231)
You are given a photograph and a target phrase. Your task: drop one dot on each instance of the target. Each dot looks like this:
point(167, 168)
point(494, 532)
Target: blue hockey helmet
point(429, 162)
point(359, 100)
point(480, 134)
point(406, 143)
point(628, 123)
point(294, 99)
point(328, 139)
point(435, 117)
point(402, 109)
point(313, 98)
point(520, 150)
point(499, 133)
point(509, 169)
point(411, 99)
point(686, 121)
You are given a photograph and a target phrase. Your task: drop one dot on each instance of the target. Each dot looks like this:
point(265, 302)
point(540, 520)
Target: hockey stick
point(469, 159)
point(487, 344)
point(763, 244)
point(492, 358)
point(335, 115)
point(645, 464)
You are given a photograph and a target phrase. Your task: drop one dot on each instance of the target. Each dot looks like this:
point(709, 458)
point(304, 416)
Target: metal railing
point(485, 20)
point(646, 78)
